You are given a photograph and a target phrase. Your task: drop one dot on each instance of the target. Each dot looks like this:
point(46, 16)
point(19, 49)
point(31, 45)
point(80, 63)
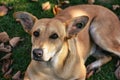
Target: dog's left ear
point(75, 25)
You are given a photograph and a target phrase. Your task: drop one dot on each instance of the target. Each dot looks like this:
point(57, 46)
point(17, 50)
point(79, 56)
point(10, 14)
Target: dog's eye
point(36, 33)
point(79, 25)
point(54, 36)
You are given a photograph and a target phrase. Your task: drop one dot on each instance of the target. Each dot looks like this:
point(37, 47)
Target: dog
point(62, 44)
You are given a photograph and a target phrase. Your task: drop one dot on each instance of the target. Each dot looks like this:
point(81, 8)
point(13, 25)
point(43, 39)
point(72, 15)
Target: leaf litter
point(6, 45)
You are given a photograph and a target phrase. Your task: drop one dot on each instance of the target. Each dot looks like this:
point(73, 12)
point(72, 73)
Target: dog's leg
point(117, 72)
point(101, 60)
point(107, 36)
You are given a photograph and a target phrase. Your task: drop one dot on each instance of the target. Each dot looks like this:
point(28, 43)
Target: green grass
point(21, 53)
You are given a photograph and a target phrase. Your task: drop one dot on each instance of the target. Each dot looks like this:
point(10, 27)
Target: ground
point(21, 53)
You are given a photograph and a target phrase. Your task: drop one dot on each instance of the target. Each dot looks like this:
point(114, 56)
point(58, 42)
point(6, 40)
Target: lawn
point(21, 53)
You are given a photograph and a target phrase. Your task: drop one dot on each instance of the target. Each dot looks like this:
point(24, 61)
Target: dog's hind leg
point(101, 60)
point(106, 34)
point(117, 73)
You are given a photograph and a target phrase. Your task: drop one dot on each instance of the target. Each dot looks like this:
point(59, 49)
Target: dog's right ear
point(26, 19)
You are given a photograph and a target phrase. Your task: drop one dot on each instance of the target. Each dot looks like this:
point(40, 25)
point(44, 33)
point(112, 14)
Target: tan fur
point(64, 58)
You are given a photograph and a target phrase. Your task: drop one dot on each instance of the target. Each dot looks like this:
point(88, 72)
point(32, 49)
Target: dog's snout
point(38, 52)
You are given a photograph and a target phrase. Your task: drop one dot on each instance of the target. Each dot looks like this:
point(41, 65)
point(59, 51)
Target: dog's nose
point(38, 52)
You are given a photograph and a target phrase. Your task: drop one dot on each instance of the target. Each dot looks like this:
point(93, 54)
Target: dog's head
point(48, 35)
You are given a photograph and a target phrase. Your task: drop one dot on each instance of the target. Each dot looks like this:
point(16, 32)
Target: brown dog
point(61, 45)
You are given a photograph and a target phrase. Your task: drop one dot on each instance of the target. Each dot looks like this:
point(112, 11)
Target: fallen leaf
point(8, 75)
point(64, 3)
point(115, 6)
point(6, 64)
point(91, 1)
point(17, 76)
point(10, 8)
point(61, 2)
point(1, 45)
point(5, 48)
point(4, 37)
point(3, 10)
point(7, 56)
point(56, 9)
point(14, 41)
point(117, 73)
point(5, 68)
point(46, 5)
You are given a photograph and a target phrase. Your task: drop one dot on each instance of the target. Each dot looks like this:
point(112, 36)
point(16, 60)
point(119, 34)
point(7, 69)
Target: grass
point(21, 53)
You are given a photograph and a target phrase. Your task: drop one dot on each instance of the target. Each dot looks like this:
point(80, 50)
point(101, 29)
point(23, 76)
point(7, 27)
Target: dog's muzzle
point(37, 54)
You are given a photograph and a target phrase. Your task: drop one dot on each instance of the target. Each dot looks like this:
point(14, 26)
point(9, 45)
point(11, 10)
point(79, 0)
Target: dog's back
point(104, 25)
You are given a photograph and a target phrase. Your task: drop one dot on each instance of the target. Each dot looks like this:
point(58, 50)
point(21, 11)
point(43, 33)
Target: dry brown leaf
point(6, 64)
point(4, 37)
point(56, 10)
point(46, 5)
point(7, 56)
point(91, 1)
point(17, 76)
point(67, 2)
point(61, 2)
point(1, 45)
point(14, 41)
point(3, 10)
point(64, 3)
point(5, 48)
point(10, 8)
point(8, 75)
point(5, 67)
point(115, 6)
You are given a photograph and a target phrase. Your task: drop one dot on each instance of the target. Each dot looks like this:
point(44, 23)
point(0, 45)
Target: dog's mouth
point(40, 59)
point(37, 59)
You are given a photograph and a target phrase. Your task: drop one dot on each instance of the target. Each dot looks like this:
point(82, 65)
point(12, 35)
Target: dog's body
point(60, 45)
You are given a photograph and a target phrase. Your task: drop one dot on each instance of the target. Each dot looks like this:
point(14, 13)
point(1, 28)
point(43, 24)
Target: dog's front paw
point(91, 70)
point(117, 72)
